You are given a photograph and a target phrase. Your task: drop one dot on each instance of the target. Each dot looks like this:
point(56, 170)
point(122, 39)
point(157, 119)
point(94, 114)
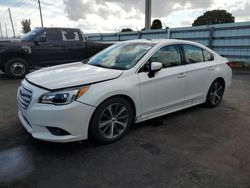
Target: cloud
point(160, 8)
point(241, 11)
point(110, 15)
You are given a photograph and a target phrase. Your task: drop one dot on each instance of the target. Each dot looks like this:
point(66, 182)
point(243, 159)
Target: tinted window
point(169, 56)
point(53, 35)
point(70, 35)
point(207, 56)
point(193, 54)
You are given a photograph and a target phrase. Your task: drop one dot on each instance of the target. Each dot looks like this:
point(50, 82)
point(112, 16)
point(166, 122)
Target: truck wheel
point(16, 68)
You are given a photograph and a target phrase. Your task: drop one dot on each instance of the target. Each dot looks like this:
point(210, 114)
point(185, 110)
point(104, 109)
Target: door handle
point(181, 75)
point(211, 68)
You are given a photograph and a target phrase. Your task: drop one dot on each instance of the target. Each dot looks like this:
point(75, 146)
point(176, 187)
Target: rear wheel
point(16, 68)
point(111, 120)
point(215, 93)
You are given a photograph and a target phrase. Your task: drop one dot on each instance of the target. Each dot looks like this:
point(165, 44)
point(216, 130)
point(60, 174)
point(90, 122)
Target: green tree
point(26, 26)
point(214, 17)
point(156, 24)
point(126, 30)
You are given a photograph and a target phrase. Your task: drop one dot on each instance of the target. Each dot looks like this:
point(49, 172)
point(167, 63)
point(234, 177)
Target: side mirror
point(154, 67)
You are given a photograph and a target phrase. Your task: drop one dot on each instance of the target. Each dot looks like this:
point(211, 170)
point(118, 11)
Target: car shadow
point(64, 148)
point(161, 121)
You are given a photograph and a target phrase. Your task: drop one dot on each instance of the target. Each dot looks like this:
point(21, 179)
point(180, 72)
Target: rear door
point(199, 65)
point(74, 45)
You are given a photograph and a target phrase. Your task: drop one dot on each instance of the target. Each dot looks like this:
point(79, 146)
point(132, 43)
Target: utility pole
point(1, 30)
point(6, 30)
point(12, 23)
point(41, 16)
point(147, 14)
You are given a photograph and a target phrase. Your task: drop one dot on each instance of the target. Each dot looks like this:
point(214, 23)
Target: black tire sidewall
point(15, 60)
point(94, 123)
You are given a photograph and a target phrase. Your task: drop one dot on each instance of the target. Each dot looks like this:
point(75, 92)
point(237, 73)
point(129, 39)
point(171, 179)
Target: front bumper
point(73, 118)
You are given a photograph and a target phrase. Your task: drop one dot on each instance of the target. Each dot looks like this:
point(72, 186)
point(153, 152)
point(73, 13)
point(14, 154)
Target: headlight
point(63, 97)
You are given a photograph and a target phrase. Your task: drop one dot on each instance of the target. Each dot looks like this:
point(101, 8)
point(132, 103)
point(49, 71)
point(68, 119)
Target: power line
point(24, 9)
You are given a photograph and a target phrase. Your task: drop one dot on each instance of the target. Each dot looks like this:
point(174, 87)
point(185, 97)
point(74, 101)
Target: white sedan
point(129, 82)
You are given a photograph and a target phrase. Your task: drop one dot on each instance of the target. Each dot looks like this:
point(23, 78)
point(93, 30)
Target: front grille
point(24, 96)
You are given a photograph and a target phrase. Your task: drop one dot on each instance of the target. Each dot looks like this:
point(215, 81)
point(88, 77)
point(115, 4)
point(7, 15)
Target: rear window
point(193, 54)
point(70, 35)
point(207, 56)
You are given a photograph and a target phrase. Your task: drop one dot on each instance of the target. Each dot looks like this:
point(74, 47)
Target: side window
point(193, 54)
point(207, 56)
point(70, 35)
point(53, 35)
point(41, 35)
point(169, 56)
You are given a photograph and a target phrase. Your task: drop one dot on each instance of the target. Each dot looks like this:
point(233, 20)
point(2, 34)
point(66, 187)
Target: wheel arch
point(11, 55)
point(126, 97)
point(222, 79)
point(212, 81)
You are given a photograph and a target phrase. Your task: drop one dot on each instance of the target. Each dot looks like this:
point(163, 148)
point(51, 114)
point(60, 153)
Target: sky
point(95, 16)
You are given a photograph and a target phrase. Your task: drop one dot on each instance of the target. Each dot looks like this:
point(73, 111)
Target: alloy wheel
point(113, 120)
point(216, 93)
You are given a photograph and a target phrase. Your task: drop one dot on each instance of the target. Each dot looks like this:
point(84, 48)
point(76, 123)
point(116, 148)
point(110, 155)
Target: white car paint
point(171, 89)
point(63, 76)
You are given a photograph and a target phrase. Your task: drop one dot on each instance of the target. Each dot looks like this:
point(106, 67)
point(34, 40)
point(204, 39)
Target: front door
point(52, 51)
point(167, 89)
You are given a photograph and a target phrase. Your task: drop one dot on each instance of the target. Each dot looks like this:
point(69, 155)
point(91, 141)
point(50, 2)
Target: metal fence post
point(168, 35)
point(211, 36)
point(118, 36)
point(139, 35)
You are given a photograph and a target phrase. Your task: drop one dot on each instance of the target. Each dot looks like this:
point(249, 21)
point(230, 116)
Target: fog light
point(57, 131)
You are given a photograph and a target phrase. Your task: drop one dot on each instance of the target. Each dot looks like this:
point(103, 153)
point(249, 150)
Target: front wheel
point(111, 120)
point(16, 68)
point(215, 93)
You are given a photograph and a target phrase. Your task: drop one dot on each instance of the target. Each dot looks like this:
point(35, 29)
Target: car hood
point(71, 75)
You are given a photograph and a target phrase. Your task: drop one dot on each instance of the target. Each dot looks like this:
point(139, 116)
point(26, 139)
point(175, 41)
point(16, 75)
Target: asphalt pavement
point(196, 147)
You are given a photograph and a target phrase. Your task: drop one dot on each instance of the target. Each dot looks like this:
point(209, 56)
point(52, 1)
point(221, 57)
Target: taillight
point(231, 64)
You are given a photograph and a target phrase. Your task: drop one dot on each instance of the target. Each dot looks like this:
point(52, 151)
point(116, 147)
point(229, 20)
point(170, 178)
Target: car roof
point(162, 41)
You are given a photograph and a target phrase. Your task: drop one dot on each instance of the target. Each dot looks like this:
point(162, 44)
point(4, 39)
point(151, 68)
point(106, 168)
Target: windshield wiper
point(98, 65)
point(85, 61)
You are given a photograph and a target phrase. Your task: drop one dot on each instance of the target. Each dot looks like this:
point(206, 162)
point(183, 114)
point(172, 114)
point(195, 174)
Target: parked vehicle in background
point(129, 82)
point(43, 47)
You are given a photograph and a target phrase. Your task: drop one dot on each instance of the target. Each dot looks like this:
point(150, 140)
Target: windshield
point(29, 36)
point(121, 56)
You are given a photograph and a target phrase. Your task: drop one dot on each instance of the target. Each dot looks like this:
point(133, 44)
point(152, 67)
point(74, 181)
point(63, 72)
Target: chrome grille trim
point(24, 96)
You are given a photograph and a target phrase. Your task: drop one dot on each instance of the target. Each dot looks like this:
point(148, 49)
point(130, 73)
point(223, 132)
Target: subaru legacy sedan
point(127, 83)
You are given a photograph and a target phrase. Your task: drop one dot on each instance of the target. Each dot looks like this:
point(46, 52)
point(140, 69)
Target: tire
point(215, 93)
point(16, 68)
point(2, 69)
point(111, 120)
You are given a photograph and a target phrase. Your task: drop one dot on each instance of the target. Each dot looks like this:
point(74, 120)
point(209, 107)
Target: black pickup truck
point(45, 47)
